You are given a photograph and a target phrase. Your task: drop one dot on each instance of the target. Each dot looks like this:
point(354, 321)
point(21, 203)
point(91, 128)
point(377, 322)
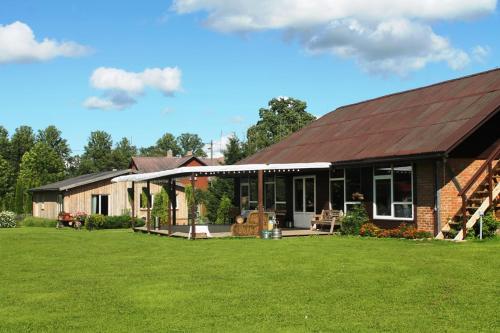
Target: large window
point(337, 189)
point(305, 195)
point(274, 193)
point(100, 204)
point(393, 193)
point(353, 195)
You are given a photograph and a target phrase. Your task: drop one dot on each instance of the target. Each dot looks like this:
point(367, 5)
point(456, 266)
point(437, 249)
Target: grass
point(118, 281)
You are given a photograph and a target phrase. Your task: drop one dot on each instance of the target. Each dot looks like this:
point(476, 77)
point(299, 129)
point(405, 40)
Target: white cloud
point(480, 53)
point(219, 145)
point(167, 80)
point(381, 36)
point(111, 101)
point(18, 45)
point(122, 87)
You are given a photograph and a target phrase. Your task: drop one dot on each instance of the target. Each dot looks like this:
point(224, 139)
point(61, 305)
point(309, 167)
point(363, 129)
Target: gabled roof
point(426, 120)
point(154, 164)
point(81, 180)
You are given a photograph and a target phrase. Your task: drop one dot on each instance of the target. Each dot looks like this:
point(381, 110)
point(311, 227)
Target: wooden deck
point(224, 234)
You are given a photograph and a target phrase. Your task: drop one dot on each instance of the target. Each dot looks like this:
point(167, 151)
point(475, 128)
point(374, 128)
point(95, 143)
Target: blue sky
point(216, 63)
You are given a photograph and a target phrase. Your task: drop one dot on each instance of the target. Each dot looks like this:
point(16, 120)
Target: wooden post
point(193, 209)
point(148, 201)
point(174, 202)
point(169, 208)
point(464, 216)
point(490, 184)
point(133, 200)
point(260, 196)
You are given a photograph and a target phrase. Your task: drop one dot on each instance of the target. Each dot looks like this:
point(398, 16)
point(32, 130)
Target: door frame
point(303, 213)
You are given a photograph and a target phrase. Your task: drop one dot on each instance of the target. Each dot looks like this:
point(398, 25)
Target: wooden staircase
point(484, 197)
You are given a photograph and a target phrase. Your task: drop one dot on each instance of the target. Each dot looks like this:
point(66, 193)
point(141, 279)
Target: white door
point(304, 200)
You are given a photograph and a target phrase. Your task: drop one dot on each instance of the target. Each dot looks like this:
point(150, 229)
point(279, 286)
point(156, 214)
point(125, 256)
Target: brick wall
point(425, 195)
point(463, 169)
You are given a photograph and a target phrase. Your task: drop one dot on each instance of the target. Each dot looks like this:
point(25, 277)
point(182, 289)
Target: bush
point(7, 219)
point(352, 222)
point(369, 230)
point(31, 221)
point(224, 210)
point(112, 222)
point(490, 226)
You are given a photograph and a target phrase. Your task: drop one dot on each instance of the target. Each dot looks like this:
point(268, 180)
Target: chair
point(327, 217)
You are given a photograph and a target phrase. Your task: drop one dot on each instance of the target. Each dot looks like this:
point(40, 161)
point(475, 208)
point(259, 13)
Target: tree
point(21, 142)
point(51, 136)
point(123, 153)
point(163, 145)
point(218, 189)
point(161, 206)
point(7, 178)
point(40, 166)
point(191, 142)
point(97, 153)
point(234, 151)
point(4, 143)
point(283, 117)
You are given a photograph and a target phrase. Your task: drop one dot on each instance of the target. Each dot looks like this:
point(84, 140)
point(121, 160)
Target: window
point(60, 203)
point(280, 189)
point(100, 204)
point(337, 192)
point(269, 189)
point(248, 193)
point(352, 188)
point(393, 193)
point(145, 197)
point(274, 193)
point(245, 196)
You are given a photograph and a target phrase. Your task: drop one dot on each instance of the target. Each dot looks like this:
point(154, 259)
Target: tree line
point(30, 159)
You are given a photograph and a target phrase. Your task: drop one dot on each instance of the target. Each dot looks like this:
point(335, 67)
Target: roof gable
point(160, 163)
point(426, 120)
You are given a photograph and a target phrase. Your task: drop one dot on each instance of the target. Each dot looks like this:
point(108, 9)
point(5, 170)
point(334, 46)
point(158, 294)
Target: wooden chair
point(327, 217)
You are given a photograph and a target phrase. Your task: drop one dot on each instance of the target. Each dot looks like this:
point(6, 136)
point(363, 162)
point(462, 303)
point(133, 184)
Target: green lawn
point(118, 281)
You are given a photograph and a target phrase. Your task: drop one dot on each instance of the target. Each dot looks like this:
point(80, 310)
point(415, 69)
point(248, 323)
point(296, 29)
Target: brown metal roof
point(154, 164)
point(425, 120)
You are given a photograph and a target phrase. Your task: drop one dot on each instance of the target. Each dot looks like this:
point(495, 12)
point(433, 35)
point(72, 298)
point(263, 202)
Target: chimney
point(189, 153)
point(170, 153)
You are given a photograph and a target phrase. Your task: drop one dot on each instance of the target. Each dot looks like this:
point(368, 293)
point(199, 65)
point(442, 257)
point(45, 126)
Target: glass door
point(304, 200)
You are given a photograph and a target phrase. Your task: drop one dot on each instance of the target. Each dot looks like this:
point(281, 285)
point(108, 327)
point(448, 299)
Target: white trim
point(222, 169)
point(374, 201)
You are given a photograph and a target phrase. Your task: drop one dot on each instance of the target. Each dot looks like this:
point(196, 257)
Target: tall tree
point(191, 142)
point(21, 142)
point(122, 154)
point(163, 145)
point(39, 166)
point(4, 143)
point(283, 117)
point(97, 154)
point(51, 136)
point(234, 151)
point(7, 178)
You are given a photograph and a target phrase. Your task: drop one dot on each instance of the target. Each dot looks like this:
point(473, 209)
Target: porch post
point(173, 190)
point(260, 196)
point(133, 200)
point(193, 209)
point(148, 215)
point(169, 212)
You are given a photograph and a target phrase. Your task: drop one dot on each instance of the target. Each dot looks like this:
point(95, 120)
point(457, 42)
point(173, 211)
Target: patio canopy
point(220, 169)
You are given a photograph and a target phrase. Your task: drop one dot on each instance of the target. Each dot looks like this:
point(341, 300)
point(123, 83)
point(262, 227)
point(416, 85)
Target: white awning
point(221, 169)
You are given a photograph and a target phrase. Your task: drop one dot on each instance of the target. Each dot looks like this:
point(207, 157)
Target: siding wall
point(45, 205)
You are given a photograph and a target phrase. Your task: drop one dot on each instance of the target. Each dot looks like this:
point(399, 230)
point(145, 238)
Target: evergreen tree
point(161, 206)
point(21, 142)
point(51, 136)
point(97, 154)
point(123, 153)
point(4, 143)
point(234, 151)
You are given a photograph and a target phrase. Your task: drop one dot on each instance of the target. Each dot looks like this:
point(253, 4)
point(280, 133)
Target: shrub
point(161, 206)
point(7, 219)
point(95, 221)
point(490, 226)
point(369, 230)
point(31, 221)
point(352, 222)
point(224, 210)
point(404, 231)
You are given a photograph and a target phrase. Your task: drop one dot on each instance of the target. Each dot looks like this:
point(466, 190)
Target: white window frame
point(100, 205)
point(391, 178)
point(313, 177)
point(330, 188)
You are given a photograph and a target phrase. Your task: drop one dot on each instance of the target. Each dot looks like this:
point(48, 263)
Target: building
point(96, 194)
point(427, 157)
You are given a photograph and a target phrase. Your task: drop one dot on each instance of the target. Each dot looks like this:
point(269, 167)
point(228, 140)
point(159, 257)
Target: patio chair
point(327, 217)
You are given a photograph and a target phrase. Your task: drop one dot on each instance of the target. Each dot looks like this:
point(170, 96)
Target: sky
point(138, 69)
